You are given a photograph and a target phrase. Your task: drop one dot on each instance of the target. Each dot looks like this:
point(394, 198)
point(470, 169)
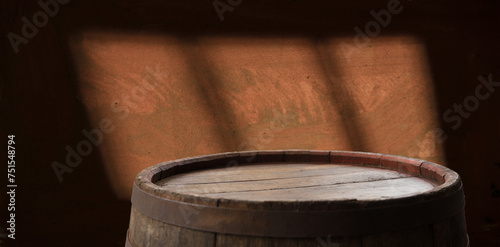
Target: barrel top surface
point(297, 182)
point(298, 193)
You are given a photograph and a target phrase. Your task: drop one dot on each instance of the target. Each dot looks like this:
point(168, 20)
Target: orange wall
point(169, 99)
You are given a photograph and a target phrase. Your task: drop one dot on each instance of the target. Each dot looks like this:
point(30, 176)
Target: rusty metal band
point(297, 224)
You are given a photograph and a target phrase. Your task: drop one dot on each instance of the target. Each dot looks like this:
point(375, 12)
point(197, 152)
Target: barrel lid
point(297, 181)
point(288, 188)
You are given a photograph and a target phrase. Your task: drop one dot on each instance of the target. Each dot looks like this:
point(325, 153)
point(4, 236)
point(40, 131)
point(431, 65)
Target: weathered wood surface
point(300, 181)
point(297, 182)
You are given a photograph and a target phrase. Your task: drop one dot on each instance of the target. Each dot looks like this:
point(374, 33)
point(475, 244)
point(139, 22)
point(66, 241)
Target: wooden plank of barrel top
point(297, 198)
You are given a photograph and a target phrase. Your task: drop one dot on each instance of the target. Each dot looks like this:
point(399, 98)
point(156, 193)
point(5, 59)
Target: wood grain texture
point(145, 231)
point(388, 191)
point(296, 182)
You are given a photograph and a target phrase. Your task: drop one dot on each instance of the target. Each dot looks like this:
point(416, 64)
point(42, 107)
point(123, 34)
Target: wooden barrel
point(297, 198)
